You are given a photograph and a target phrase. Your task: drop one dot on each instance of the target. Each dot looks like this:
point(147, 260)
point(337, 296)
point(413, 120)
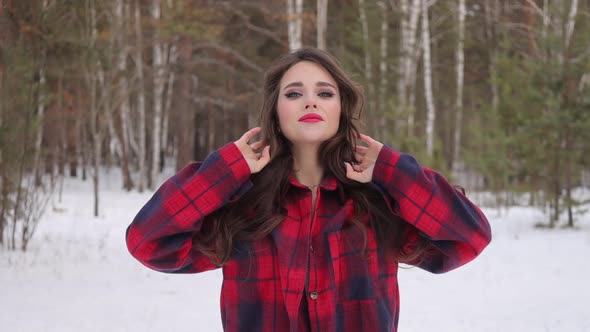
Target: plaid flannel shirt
point(264, 282)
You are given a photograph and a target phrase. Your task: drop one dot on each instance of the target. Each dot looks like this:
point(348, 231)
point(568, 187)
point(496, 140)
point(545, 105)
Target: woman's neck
point(306, 165)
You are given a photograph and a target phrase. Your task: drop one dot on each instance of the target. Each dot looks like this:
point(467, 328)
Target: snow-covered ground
point(78, 276)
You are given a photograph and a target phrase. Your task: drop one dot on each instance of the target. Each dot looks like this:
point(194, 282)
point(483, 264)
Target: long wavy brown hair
point(257, 212)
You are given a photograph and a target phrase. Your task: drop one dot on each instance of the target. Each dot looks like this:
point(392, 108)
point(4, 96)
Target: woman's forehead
point(305, 73)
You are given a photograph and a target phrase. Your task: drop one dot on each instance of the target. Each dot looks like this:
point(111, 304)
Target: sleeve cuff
point(234, 159)
point(385, 165)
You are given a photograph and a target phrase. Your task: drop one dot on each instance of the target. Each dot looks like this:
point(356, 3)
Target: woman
point(307, 225)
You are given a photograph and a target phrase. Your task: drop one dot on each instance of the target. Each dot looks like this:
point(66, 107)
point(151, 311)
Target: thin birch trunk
point(383, 69)
point(62, 149)
point(172, 59)
point(184, 115)
point(411, 63)
point(40, 110)
point(140, 99)
point(294, 20)
point(95, 74)
point(40, 120)
point(368, 66)
point(491, 12)
point(430, 109)
point(121, 13)
point(159, 83)
point(115, 148)
point(322, 23)
point(571, 22)
point(401, 69)
point(568, 94)
point(460, 61)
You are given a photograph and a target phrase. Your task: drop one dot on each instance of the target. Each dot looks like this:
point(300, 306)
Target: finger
point(350, 172)
point(257, 145)
point(366, 139)
point(361, 150)
point(249, 134)
point(265, 157)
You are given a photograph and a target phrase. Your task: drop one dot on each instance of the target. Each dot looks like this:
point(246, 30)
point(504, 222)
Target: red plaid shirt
point(263, 286)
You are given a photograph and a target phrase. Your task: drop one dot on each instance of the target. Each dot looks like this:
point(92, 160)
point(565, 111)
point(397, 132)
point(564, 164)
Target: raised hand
point(366, 156)
point(255, 158)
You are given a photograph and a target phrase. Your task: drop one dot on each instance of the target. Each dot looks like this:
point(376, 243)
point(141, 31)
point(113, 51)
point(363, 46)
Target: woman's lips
point(312, 117)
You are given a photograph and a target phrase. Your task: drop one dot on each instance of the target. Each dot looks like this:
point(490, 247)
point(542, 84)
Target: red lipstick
point(311, 117)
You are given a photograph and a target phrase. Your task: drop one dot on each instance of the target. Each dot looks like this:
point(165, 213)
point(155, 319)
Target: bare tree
point(121, 14)
point(93, 74)
point(460, 63)
point(159, 84)
point(140, 97)
point(408, 60)
point(430, 109)
point(172, 59)
point(322, 23)
point(294, 17)
point(383, 84)
point(491, 9)
point(368, 70)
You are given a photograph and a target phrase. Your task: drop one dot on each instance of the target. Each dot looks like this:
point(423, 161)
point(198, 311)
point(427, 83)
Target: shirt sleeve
point(455, 228)
point(161, 234)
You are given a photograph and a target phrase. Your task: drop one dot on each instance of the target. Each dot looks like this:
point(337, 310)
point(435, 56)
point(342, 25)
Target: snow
point(78, 276)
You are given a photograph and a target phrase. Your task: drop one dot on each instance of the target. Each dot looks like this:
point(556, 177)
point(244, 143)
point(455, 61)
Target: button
point(313, 295)
point(311, 249)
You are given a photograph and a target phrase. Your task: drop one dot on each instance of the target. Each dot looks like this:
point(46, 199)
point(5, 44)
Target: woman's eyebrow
point(300, 84)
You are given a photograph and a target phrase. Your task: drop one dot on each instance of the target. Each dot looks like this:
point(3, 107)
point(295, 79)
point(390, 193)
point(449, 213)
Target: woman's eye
point(326, 94)
point(292, 94)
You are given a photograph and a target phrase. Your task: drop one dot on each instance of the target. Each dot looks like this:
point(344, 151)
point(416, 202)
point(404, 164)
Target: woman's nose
point(311, 105)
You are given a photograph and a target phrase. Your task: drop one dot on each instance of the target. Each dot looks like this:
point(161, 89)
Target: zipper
point(309, 246)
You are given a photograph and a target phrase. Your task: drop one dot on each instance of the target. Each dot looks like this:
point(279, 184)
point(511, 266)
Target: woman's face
point(308, 107)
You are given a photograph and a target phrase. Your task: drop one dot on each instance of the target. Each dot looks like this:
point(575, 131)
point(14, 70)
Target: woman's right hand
point(255, 158)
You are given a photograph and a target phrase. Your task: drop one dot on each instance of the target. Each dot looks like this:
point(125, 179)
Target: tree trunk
point(95, 74)
point(172, 59)
point(431, 111)
point(322, 23)
point(383, 109)
point(183, 119)
point(402, 61)
point(410, 51)
point(570, 24)
point(159, 83)
point(140, 99)
point(294, 17)
point(63, 140)
point(121, 13)
point(40, 120)
point(568, 95)
point(460, 62)
point(491, 13)
point(368, 68)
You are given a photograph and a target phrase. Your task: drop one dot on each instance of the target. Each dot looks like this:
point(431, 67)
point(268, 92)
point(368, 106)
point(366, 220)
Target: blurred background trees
point(494, 93)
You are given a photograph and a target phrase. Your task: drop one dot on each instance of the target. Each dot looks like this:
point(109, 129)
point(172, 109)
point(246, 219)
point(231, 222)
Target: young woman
point(310, 222)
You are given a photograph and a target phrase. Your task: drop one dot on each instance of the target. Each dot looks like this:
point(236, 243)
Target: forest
point(495, 94)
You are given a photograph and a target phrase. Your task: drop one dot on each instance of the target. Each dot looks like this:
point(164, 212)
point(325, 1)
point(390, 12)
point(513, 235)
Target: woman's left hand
point(366, 156)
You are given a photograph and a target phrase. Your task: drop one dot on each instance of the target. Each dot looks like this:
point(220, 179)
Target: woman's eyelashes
point(322, 94)
point(292, 95)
